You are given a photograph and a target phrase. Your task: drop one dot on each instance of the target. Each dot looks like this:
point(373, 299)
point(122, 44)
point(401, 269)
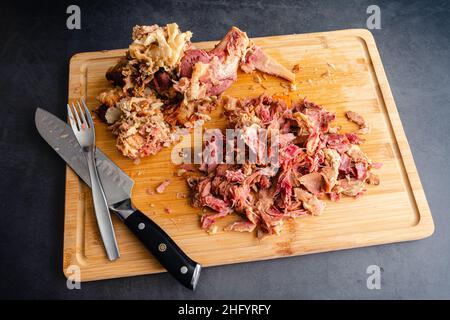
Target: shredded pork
point(162, 62)
point(141, 129)
point(163, 185)
point(313, 164)
point(164, 82)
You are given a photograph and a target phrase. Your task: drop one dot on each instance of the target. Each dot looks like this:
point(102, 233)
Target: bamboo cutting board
point(341, 70)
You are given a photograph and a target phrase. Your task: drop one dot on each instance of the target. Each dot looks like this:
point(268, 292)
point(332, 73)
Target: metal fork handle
point(101, 209)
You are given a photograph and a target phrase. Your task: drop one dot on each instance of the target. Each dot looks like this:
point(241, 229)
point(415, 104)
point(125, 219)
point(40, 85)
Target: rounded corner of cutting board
point(79, 58)
point(71, 262)
point(425, 227)
point(362, 32)
point(429, 231)
point(76, 57)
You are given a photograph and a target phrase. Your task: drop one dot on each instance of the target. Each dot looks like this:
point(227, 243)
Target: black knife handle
point(163, 248)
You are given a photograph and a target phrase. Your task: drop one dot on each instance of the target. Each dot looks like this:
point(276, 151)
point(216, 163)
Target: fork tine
point(77, 117)
point(88, 114)
point(83, 118)
point(71, 119)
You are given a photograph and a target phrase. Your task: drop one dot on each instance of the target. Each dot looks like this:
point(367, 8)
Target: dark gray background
point(35, 48)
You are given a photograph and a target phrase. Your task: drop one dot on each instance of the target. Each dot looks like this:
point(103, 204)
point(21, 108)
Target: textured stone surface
point(414, 43)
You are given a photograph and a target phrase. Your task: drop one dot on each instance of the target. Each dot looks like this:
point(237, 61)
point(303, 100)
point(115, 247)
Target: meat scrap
point(356, 118)
point(141, 129)
point(256, 58)
point(312, 182)
point(168, 210)
point(161, 63)
point(162, 187)
point(312, 164)
point(310, 202)
point(296, 68)
point(241, 226)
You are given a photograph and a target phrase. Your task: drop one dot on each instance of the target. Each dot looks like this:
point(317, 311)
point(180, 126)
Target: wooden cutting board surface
point(342, 71)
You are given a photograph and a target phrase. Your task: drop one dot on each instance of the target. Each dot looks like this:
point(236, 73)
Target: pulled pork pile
point(161, 63)
point(314, 161)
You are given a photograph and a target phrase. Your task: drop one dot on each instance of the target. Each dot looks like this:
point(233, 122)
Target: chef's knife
point(117, 186)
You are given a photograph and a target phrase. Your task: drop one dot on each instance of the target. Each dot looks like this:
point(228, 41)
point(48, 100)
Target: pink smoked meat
point(162, 187)
point(312, 163)
point(257, 59)
point(234, 50)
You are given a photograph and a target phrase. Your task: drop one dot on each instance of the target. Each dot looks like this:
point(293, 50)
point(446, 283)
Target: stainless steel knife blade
point(116, 183)
point(117, 186)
